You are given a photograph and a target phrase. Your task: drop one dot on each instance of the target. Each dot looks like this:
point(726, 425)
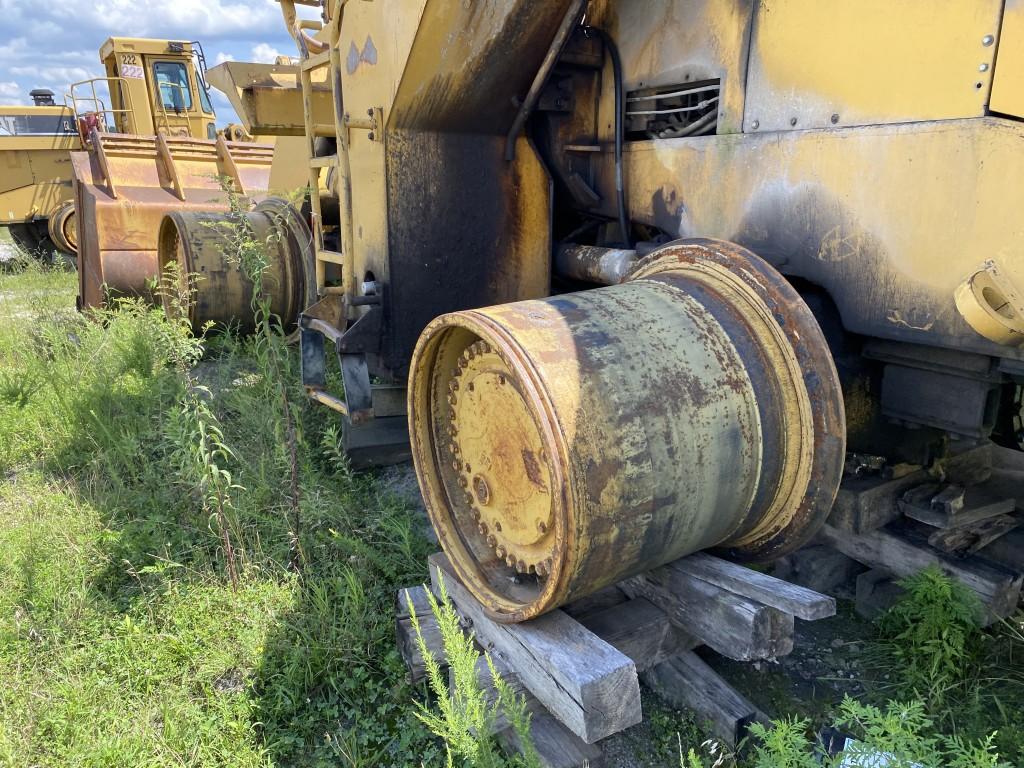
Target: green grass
point(178, 587)
point(123, 640)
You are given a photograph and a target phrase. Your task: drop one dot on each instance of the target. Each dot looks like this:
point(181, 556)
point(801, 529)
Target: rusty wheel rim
point(494, 487)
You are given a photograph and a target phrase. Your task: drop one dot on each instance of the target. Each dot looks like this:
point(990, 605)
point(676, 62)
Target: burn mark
point(533, 470)
point(599, 475)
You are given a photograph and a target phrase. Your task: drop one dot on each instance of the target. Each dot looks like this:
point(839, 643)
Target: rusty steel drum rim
point(815, 369)
point(173, 247)
point(437, 497)
point(290, 252)
point(62, 228)
point(298, 246)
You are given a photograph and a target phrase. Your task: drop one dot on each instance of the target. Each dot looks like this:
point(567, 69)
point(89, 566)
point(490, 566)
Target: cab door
point(173, 98)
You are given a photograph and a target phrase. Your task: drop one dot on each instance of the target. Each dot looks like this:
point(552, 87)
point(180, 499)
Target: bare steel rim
point(455, 487)
point(564, 444)
point(200, 281)
point(807, 388)
point(63, 229)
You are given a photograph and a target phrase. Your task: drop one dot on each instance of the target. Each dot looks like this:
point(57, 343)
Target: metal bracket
point(373, 122)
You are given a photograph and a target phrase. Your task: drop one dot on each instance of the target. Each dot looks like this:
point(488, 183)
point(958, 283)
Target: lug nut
point(491, 541)
point(500, 552)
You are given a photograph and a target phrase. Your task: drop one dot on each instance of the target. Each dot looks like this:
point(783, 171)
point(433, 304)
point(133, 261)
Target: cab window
point(172, 84)
point(204, 100)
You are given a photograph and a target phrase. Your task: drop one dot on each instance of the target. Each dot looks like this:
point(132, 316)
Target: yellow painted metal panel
point(669, 43)
point(889, 220)
point(859, 62)
point(1008, 86)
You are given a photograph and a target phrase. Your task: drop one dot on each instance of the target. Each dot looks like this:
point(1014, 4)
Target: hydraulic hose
point(620, 129)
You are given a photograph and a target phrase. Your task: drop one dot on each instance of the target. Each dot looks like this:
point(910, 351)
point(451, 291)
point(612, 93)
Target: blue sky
point(50, 44)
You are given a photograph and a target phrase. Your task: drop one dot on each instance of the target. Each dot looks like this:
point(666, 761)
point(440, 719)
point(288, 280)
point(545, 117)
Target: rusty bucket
point(565, 444)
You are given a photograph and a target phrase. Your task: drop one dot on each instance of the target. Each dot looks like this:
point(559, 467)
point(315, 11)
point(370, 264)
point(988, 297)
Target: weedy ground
point(160, 604)
point(190, 575)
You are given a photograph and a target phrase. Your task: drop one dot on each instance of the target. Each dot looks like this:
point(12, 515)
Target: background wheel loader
point(634, 276)
point(150, 87)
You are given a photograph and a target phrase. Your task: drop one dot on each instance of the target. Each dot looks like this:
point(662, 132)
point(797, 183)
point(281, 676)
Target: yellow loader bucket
point(125, 185)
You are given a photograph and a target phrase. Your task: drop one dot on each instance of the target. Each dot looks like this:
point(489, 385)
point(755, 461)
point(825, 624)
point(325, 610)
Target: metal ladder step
point(316, 61)
point(332, 257)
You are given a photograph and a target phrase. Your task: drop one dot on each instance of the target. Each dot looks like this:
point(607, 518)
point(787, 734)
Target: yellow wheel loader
point(35, 174)
point(629, 278)
point(151, 87)
point(149, 146)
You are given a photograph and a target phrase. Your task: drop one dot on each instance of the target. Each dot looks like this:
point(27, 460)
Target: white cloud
point(49, 45)
point(264, 54)
point(10, 93)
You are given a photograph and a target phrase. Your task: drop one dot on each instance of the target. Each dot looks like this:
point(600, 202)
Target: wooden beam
point(735, 626)
point(686, 681)
point(405, 633)
point(641, 630)
point(954, 505)
point(998, 588)
point(556, 745)
point(968, 539)
point(866, 503)
point(801, 602)
point(590, 686)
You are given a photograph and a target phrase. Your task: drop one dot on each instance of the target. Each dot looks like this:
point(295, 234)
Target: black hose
point(620, 128)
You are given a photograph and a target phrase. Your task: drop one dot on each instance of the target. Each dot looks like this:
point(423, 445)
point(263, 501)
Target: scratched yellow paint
point(889, 219)
point(869, 61)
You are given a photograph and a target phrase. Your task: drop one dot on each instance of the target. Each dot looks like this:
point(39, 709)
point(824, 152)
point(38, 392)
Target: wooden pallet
point(580, 667)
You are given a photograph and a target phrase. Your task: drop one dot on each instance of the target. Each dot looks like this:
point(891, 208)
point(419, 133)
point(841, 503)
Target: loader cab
point(157, 86)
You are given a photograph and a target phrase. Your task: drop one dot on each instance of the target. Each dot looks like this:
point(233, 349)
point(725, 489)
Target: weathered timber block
point(970, 467)
point(419, 599)
point(686, 681)
point(556, 745)
point(976, 503)
point(735, 626)
point(789, 598)
point(997, 587)
point(967, 539)
point(822, 568)
point(1007, 550)
point(590, 686)
point(598, 601)
point(877, 592)
point(405, 633)
point(641, 630)
point(866, 503)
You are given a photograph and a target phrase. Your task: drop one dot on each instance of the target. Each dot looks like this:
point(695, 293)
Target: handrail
point(180, 114)
point(98, 103)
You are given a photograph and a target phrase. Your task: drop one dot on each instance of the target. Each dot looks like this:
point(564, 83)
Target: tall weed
point(465, 719)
